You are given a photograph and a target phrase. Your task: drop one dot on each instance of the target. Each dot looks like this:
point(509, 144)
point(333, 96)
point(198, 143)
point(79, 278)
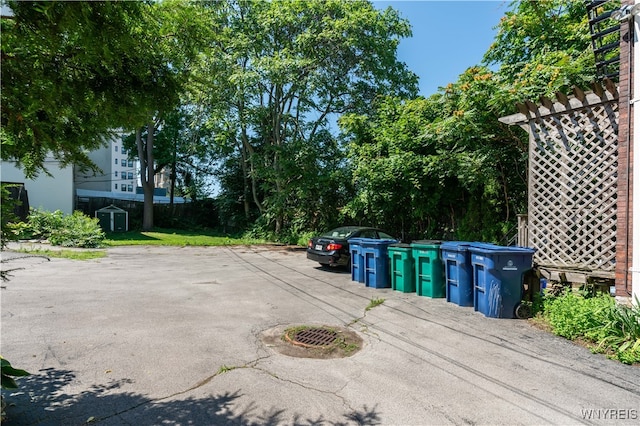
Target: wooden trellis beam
point(527, 110)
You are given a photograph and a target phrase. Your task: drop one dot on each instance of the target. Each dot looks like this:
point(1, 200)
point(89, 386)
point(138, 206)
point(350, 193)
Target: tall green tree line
point(255, 88)
point(281, 72)
point(445, 167)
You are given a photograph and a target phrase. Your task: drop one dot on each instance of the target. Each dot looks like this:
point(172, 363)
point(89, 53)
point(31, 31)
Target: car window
point(338, 233)
point(385, 236)
point(368, 233)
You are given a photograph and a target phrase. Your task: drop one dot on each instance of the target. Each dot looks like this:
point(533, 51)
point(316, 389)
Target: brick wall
point(625, 165)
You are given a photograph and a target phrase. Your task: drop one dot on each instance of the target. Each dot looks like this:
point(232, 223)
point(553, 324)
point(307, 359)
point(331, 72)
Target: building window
point(124, 162)
point(124, 175)
point(130, 164)
point(129, 175)
point(116, 160)
point(124, 151)
point(130, 188)
point(116, 147)
point(116, 172)
point(116, 186)
point(124, 188)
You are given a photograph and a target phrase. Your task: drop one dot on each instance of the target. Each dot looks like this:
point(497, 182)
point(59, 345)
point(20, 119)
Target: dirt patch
point(279, 339)
point(541, 324)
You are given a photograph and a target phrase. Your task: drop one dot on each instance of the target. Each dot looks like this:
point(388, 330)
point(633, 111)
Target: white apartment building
point(162, 179)
point(119, 173)
point(117, 179)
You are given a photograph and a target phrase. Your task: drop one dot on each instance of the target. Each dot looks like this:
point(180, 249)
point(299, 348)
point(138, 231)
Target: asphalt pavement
point(189, 336)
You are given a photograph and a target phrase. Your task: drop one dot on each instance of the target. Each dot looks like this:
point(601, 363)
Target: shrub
point(620, 332)
point(571, 315)
point(7, 215)
point(612, 328)
point(78, 230)
point(43, 223)
point(75, 230)
point(304, 237)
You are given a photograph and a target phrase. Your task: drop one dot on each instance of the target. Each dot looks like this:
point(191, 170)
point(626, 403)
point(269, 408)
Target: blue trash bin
point(376, 262)
point(457, 272)
point(498, 274)
point(357, 267)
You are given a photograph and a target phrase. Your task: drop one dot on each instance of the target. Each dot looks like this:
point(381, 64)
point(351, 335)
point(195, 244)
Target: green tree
point(283, 71)
point(171, 37)
point(182, 145)
point(445, 167)
point(542, 47)
point(76, 72)
point(65, 81)
point(427, 168)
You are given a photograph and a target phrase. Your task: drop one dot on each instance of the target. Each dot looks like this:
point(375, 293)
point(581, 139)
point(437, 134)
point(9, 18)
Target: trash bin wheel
point(523, 311)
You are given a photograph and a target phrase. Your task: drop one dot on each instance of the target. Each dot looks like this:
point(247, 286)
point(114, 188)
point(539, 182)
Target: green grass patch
point(66, 254)
point(175, 237)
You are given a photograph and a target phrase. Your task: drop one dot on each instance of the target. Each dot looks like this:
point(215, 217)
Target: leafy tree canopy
point(542, 47)
point(72, 72)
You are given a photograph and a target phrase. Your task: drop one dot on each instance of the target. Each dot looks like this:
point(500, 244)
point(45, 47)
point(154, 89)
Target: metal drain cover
point(314, 337)
point(313, 341)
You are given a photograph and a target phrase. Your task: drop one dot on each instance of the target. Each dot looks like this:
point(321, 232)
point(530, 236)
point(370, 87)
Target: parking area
point(166, 335)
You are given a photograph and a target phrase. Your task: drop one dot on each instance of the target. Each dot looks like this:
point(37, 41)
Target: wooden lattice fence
point(573, 162)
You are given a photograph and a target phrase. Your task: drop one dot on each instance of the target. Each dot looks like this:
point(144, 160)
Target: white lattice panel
point(572, 187)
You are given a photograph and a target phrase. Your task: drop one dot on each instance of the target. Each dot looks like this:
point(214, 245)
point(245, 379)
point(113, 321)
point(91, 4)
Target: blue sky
point(448, 37)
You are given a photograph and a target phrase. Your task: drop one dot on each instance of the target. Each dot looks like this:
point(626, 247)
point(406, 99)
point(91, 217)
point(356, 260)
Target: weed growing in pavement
point(374, 303)
point(225, 369)
point(347, 348)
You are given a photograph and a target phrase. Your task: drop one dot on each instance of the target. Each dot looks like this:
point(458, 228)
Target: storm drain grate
point(314, 337)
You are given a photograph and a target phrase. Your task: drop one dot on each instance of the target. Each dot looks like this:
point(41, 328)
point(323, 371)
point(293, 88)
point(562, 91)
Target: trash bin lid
point(400, 246)
point(488, 248)
point(426, 243)
point(377, 242)
point(455, 245)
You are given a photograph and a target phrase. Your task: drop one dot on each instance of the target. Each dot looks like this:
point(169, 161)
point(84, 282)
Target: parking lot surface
point(189, 336)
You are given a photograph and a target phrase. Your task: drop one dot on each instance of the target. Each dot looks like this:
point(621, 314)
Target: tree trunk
point(245, 183)
point(254, 184)
point(173, 176)
point(147, 173)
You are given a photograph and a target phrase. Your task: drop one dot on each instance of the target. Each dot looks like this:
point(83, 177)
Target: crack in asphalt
point(248, 365)
point(251, 365)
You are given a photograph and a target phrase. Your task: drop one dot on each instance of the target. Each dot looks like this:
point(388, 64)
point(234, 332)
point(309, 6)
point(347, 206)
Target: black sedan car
point(332, 248)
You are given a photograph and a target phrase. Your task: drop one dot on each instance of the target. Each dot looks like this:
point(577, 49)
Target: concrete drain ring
point(320, 342)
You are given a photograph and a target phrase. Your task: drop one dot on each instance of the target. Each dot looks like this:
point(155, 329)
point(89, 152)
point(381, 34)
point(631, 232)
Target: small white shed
point(113, 219)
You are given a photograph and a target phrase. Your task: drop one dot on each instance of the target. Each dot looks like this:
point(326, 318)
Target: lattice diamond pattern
point(572, 188)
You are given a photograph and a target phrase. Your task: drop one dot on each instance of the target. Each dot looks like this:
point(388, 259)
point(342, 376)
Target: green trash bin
point(429, 274)
point(401, 268)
